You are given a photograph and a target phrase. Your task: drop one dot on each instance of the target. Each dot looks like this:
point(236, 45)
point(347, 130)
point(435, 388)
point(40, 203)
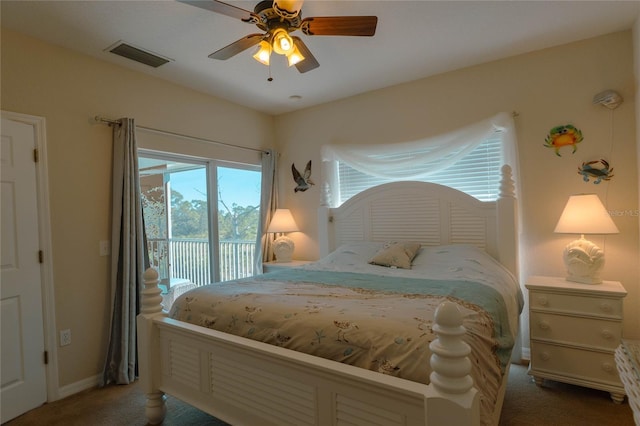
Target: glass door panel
point(238, 218)
point(175, 209)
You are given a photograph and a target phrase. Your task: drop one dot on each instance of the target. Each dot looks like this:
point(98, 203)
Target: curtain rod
point(111, 122)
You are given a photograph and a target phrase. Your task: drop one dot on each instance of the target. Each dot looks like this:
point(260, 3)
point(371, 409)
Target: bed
point(276, 379)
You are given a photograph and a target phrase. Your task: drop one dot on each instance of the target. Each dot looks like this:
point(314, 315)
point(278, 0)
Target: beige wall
point(67, 89)
point(547, 88)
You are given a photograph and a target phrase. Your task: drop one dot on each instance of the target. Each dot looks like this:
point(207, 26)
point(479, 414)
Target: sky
point(238, 186)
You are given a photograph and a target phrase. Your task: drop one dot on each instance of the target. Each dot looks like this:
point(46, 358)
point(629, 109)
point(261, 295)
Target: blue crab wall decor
point(598, 170)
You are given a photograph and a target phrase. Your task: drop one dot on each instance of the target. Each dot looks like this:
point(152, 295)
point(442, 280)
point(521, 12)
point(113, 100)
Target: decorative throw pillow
point(396, 254)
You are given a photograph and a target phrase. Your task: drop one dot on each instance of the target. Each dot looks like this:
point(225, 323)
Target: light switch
point(105, 248)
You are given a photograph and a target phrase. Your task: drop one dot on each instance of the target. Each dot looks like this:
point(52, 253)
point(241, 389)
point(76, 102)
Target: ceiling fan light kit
point(263, 55)
point(279, 18)
point(294, 56)
point(282, 42)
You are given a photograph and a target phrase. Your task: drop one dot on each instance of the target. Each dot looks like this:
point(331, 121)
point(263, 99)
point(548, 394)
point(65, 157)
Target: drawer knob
point(546, 356)
point(607, 334)
point(543, 301)
point(608, 367)
point(544, 325)
point(606, 307)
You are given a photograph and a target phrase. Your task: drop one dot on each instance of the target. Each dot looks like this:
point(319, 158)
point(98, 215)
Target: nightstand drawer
point(570, 303)
point(589, 332)
point(577, 364)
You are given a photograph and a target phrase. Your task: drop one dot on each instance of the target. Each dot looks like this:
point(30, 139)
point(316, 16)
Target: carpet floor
point(525, 405)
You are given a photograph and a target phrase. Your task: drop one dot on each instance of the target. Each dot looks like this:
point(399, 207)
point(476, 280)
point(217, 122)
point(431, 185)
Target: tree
point(189, 219)
point(238, 223)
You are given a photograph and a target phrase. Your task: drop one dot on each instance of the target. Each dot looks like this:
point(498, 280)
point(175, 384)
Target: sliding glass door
point(201, 217)
point(238, 215)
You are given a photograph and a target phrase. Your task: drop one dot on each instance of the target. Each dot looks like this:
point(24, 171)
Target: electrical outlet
point(65, 337)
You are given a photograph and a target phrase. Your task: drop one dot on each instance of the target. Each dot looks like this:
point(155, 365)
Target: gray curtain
point(129, 256)
point(268, 205)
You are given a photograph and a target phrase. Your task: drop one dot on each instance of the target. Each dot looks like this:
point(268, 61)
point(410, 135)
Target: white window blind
point(477, 173)
point(469, 159)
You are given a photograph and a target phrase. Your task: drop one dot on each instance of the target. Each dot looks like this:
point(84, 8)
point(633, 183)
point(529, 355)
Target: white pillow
point(357, 253)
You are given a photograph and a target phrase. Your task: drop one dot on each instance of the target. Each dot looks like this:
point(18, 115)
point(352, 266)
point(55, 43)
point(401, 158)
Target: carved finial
point(449, 362)
point(150, 296)
point(507, 185)
point(150, 275)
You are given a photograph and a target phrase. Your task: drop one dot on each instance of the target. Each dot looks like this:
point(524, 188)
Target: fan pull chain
point(270, 79)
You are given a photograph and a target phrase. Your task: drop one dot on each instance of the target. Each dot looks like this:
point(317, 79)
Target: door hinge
point(46, 358)
point(35, 155)
point(40, 256)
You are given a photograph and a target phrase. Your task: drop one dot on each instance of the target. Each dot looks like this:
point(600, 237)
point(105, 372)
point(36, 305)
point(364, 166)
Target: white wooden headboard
point(429, 213)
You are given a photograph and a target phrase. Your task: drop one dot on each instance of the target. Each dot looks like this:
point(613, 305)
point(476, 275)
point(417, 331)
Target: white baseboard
point(82, 385)
point(526, 354)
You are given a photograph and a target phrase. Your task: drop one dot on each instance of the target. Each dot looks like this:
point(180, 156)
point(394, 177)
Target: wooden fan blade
point(225, 9)
point(340, 25)
point(237, 47)
point(310, 62)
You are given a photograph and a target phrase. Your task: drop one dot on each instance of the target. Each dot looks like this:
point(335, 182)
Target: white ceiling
point(414, 39)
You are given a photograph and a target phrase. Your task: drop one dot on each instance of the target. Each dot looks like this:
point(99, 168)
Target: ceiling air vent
point(137, 54)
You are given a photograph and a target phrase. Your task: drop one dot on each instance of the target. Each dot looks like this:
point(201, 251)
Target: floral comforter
point(374, 321)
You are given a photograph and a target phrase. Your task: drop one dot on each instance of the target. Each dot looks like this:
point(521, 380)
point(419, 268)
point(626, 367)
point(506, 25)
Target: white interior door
point(23, 375)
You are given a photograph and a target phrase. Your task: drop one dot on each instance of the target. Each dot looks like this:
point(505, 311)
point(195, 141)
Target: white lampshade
point(282, 221)
point(283, 246)
point(584, 214)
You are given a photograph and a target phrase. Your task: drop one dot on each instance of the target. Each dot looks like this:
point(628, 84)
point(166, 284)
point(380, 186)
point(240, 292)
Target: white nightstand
point(575, 330)
point(278, 266)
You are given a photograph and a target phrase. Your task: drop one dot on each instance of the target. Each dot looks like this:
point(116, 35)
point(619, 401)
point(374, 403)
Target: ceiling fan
point(279, 18)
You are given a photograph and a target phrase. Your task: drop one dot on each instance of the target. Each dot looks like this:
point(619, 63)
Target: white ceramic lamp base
point(584, 262)
point(283, 249)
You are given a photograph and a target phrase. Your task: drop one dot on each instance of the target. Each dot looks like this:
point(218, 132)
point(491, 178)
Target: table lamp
point(282, 221)
point(584, 214)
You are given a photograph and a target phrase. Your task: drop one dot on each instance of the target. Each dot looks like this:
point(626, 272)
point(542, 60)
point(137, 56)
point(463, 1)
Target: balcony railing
point(188, 258)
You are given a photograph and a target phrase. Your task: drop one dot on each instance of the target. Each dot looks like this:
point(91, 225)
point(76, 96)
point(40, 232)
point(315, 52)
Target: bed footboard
point(245, 382)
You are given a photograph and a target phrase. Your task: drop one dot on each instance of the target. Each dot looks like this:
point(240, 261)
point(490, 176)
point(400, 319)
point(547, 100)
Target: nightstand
point(575, 329)
point(279, 266)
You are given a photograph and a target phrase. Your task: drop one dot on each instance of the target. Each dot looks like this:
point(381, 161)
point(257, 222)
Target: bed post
point(324, 230)
point(456, 401)
point(508, 235)
point(507, 218)
point(148, 360)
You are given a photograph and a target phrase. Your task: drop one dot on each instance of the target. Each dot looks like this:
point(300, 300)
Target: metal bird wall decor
point(303, 181)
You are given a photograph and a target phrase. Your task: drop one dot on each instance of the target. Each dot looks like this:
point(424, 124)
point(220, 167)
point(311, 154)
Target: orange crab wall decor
point(560, 136)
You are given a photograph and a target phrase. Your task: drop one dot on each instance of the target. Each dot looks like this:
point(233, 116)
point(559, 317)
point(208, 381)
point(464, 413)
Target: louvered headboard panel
point(387, 217)
point(429, 213)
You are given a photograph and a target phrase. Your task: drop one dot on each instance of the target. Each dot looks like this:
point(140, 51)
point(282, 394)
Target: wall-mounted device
point(609, 98)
